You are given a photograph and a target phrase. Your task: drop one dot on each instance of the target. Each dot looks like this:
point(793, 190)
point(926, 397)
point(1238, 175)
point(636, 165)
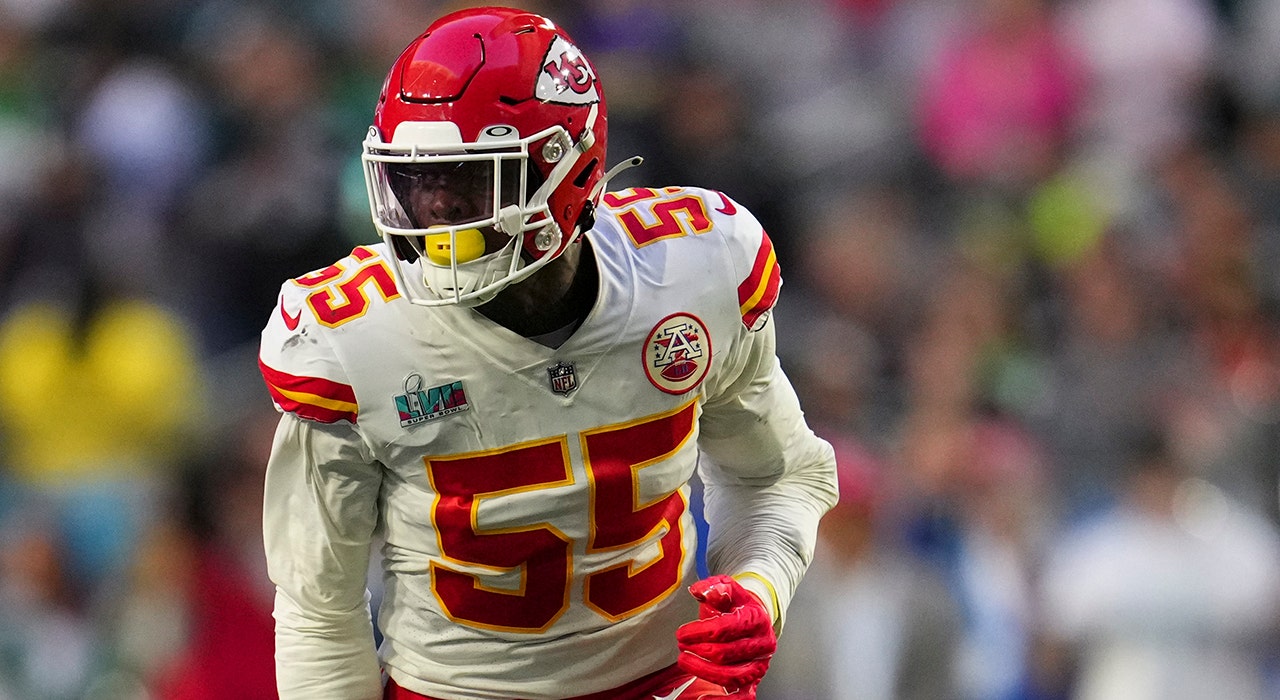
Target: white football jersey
point(534, 502)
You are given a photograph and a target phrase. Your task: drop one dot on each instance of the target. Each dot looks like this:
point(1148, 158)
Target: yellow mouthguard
point(470, 245)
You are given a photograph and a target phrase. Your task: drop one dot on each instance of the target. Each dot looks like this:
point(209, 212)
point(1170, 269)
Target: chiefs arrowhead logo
point(290, 322)
point(566, 77)
point(677, 353)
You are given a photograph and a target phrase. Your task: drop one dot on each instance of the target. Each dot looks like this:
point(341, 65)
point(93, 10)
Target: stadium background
point(1030, 250)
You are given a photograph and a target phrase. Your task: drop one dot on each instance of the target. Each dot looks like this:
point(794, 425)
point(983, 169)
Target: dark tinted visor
point(451, 193)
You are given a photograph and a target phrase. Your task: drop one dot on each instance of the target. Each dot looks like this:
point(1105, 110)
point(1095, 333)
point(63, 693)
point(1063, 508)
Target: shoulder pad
point(754, 260)
point(648, 215)
point(297, 359)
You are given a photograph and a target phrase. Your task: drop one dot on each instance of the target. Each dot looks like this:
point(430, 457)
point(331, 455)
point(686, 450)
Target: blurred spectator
point(1226, 419)
point(46, 633)
point(1175, 593)
point(1113, 365)
point(965, 329)
point(999, 107)
point(1148, 64)
point(815, 102)
point(981, 517)
point(271, 201)
point(864, 258)
point(834, 366)
point(870, 621)
point(92, 415)
point(980, 501)
point(852, 313)
point(228, 651)
point(146, 137)
point(1005, 509)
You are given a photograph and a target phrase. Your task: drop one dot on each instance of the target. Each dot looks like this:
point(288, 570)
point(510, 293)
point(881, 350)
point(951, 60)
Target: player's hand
point(732, 640)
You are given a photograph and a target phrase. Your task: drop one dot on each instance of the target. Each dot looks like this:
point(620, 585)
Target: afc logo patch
point(677, 353)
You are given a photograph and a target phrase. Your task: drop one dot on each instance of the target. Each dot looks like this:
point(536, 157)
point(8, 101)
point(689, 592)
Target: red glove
point(732, 640)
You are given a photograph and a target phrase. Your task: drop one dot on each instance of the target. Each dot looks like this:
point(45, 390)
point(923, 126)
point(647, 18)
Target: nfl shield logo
point(563, 378)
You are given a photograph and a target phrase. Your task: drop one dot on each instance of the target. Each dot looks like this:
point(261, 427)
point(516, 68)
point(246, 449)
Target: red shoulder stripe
point(759, 291)
point(310, 397)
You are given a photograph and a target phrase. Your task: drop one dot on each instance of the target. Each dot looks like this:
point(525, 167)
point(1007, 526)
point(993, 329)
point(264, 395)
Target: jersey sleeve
point(320, 512)
point(755, 264)
point(768, 477)
point(301, 370)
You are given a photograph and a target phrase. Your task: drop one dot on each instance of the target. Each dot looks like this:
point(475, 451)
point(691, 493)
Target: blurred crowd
point(1032, 262)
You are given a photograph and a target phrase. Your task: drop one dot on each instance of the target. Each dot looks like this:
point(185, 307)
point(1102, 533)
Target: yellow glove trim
point(775, 610)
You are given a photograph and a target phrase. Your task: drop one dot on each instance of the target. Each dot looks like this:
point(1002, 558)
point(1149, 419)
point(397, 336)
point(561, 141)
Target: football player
point(513, 390)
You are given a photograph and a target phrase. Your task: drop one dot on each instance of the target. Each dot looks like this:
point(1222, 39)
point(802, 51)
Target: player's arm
point(320, 510)
point(768, 478)
point(319, 516)
point(768, 481)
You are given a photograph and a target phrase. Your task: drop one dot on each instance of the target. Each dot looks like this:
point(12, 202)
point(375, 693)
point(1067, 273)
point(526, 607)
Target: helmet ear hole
point(581, 180)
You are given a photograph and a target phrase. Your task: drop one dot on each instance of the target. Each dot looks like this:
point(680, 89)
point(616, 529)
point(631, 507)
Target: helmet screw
point(553, 150)
point(544, 240)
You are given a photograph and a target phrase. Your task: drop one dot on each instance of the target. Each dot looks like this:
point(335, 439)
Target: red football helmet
point(485, 160)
